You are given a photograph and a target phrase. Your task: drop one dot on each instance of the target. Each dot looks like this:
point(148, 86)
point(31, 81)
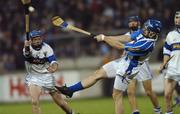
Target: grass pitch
point(84, 106)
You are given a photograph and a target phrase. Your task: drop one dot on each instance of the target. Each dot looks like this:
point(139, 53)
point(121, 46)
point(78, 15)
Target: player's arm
point(120, 38)
point(114, 41)
point(163, 66)
point(141, 45)
point(165, 59)
point(167, 54)
point(53, 67)
point(26, 51)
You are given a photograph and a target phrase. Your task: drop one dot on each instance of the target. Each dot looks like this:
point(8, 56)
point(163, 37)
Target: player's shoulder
point(172, 32)
point(171, 36)
point(46, 46)
point(137, 34)
point(139, 31)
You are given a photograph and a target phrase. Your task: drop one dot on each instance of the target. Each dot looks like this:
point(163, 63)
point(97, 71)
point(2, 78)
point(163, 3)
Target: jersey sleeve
point(26, 54)
point(50, 55)
point(167, 46)
point(142, 45)
point(135, 34)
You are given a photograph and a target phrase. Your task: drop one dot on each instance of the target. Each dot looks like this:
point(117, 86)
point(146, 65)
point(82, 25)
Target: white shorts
point(145, 72)
point(171, 73)
point(119, 69)
point(173, 77)
point(45, 81)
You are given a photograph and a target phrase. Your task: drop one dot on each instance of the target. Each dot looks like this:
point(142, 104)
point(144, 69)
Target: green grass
point(83, 106)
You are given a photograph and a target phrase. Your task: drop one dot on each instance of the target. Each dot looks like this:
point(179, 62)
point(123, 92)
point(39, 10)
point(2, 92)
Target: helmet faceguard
point(36, 40)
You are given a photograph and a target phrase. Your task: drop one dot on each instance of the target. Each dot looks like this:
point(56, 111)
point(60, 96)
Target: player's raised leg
point(132, 96)
point(148, 89)
point(61, 102)
point(35, 92)
point(106, 71)
point(86, 83)
point(91, 80)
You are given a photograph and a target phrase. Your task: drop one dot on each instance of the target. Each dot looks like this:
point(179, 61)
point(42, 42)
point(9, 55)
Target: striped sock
point(169, 112)
point(71, 113)
point(157, 110)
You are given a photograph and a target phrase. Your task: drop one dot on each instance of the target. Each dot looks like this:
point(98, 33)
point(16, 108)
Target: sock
point(76, 87)
point(169, 112)
point(177, 100)
point(71, 112)
point(157, 110)
point(136, 112)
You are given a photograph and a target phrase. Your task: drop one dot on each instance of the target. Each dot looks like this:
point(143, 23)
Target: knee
point(131, 93)
point(35, 102)
point(61, 103)
point(149, 93)
point(58, 99)
point(98, 75)
point(167, 95)
point(117, 95)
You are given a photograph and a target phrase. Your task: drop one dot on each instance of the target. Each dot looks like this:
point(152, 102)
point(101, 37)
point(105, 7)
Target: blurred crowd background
point(97, 16)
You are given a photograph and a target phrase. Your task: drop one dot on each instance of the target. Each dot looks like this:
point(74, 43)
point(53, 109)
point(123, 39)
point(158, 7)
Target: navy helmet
point(133, 18)
point(35, 33)
point(153, 25)
point(36, 45)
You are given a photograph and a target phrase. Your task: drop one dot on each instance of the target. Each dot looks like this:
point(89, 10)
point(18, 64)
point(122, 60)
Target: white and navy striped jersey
point(39, 61)
point(172, 49)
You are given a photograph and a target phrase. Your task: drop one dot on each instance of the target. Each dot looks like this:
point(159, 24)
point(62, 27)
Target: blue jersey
point(138, 50)
point(140, 46)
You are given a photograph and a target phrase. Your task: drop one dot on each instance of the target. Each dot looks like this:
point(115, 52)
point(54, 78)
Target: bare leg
point(132, 95)
point(86, 83)
point(35, 92)
point(61, 102)
point(169, 87)
point(148, 89)
point(91, 80)
point(118, 100)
